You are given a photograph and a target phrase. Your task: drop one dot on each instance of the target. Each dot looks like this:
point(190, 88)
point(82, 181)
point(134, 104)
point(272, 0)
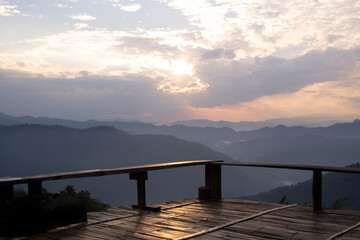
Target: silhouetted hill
point(217, 138)
point(237, 126)
point(311, 121)
point(335, 186)
point(339, 130)
point(35, 149)
point(303, 149)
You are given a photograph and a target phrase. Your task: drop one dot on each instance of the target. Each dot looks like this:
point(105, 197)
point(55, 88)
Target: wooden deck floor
point(179, 219)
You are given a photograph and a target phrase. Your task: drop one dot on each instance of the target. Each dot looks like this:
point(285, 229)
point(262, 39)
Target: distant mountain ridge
point(336, 145)
point(254, 125)
point(216, 138)
point(303, 149)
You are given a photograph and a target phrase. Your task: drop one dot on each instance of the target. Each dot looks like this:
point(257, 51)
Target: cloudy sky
point(167, 60)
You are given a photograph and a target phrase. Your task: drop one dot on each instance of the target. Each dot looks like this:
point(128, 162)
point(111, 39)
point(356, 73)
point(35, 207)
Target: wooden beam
point(222, 226)
point(140, 177)
point(6, 192)
point(292, 166)
point(213, 180)
point(34, 188)
point(101, 172)
point(317, 190)
point(204, 193)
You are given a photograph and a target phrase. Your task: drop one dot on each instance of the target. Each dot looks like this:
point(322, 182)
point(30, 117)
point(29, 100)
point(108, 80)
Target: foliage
point(69, 196)
point(339, 203)
point(283, 200)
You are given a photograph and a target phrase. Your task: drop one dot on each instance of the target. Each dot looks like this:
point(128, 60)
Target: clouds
point(222, 58)
point(83, 98)
point(329, 99)
point(265, 27)
point(7, 10)
point(83, 17)
point(156, 54)
point(234, 90)
point(59, 5)
point(245, 81)
point(128, 8)
point(217, 53)
point(81, 25)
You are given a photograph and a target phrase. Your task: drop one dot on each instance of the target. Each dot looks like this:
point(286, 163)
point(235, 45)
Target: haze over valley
point(45, 145)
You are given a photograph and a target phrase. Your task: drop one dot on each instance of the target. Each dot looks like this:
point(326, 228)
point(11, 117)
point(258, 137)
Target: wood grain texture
point(184, 217)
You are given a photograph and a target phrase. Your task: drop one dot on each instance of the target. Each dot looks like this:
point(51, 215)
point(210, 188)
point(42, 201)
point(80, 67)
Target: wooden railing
point(138, 173)
point(317, 175)
point(211, 190)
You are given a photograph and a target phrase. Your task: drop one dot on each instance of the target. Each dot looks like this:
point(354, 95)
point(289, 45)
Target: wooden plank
point(185, 217)
point(101, 172)
point(120, 233)
point(344, 231)
point(233, 222)
point(353, 234)
point(306, 214)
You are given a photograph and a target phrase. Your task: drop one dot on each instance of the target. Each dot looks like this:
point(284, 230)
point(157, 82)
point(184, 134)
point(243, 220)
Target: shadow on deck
point(222, 219)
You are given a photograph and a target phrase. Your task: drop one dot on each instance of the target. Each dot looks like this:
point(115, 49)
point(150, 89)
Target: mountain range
point(216, 138)
point(38, 149)
point(311, 121)
point(335, 145)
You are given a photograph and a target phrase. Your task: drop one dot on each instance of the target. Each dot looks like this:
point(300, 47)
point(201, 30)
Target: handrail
point(212, 190)
point(292, 166)
point(138, 173)
point(101, 172)
point(317, 175)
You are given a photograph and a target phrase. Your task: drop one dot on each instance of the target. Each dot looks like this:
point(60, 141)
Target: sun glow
point(181, 67)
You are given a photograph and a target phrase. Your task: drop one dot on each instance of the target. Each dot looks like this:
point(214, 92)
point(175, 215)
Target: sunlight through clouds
point(220, 59)
point(327, 99)
point(264, 27)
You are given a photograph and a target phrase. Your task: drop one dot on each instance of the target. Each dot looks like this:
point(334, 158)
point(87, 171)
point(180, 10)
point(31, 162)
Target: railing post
point(317, 190)
point(34, 188)
point(6, 192)
point(213, 180)
point(140, 177)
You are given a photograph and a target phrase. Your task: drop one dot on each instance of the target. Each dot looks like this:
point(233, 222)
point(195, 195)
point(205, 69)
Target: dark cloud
point(234, 82)
point(137, 97)
point(133, 97)
point(218, 53)
point(332, 38)
point(231, 14)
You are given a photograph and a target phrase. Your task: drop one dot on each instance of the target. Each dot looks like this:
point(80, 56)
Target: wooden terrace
point(208, 217)
point(221, 219)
